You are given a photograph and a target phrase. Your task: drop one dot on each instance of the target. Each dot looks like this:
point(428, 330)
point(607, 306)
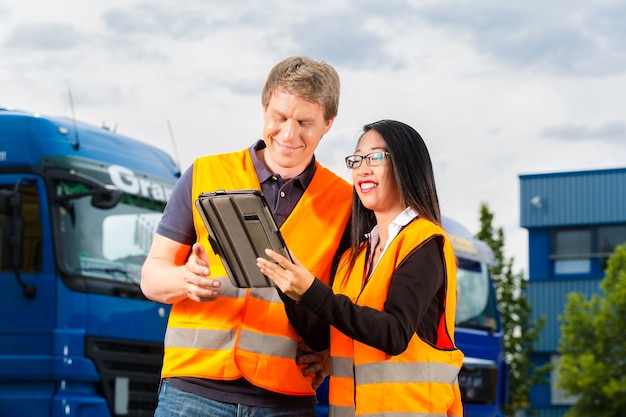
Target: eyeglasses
point(373, 159)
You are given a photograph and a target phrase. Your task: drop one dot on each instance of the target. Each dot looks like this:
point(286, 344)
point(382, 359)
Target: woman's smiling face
point(376, 185)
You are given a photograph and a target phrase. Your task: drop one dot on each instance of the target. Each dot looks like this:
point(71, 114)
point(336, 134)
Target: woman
point(391, 306)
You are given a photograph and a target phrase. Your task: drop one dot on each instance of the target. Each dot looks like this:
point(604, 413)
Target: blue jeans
point(174, 402)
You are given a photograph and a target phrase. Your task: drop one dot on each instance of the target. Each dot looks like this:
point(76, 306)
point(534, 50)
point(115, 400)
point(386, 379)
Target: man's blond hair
point(314, 81)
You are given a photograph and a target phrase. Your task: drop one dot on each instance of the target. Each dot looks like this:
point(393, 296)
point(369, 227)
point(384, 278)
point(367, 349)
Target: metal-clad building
point(574, 221)
point(573, 198)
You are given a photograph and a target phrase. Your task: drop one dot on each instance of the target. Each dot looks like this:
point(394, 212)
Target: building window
point(571, 251)
point(577, 251)
point(572, 266)
point(608, 238)
point(557, 395)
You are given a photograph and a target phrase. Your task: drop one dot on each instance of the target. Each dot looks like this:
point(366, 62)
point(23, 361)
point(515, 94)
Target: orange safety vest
point(246, 333)
point(420, 381)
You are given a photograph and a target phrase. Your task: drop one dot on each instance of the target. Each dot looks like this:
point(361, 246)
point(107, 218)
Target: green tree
point(520, 332)
point(593, 345)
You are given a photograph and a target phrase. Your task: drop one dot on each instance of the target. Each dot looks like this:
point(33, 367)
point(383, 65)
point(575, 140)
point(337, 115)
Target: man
point(232, 351)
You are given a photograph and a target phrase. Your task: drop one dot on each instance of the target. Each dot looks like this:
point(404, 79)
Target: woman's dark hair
point(413, 173)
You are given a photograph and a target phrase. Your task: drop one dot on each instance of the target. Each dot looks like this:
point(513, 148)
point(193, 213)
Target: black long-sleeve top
point(414, 304)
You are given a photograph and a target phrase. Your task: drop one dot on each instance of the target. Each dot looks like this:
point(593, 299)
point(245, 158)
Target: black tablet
point(241, 227)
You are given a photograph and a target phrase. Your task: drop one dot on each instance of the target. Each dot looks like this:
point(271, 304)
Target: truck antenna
point(77, 142)
point(169, 126)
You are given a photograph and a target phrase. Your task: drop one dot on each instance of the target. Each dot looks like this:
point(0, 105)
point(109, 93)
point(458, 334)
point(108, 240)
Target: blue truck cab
point(78, 209)
point(483, 378)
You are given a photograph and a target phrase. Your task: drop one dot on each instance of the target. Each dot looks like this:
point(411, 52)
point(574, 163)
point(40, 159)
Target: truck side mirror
point(106, 198)
point(12, 237)
point(12, 233)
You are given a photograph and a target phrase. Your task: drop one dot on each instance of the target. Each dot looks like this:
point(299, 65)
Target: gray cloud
point(349, 35)
point(610, 131)
point(149, 19)
point(574, 37)
point(567, 37)
point(356, 35)
point(46, 36)
point(343, 40)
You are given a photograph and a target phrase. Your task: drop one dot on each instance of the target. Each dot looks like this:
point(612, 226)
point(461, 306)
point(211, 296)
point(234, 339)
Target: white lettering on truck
point(127, 181)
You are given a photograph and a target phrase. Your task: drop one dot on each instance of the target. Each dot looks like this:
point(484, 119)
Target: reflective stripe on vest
point(379, 372)
point(246, 333)
point(420, 381)
point(225, 339)
point(337, 411)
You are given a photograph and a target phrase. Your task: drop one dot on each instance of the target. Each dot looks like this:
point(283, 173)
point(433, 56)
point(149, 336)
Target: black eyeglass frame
point(355, 161)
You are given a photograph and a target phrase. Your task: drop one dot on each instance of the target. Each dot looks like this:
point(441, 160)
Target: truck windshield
point(476, 307)
point(109, 244)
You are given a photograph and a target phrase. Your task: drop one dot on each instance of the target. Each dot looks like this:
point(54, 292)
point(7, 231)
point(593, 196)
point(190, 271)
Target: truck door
point(27, 297)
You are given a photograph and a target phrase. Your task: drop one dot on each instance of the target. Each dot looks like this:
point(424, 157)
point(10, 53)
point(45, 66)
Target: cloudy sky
point(497, 89)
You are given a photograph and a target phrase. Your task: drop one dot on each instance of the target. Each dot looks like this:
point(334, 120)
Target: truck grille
point(130, 373)
point(478, 381)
